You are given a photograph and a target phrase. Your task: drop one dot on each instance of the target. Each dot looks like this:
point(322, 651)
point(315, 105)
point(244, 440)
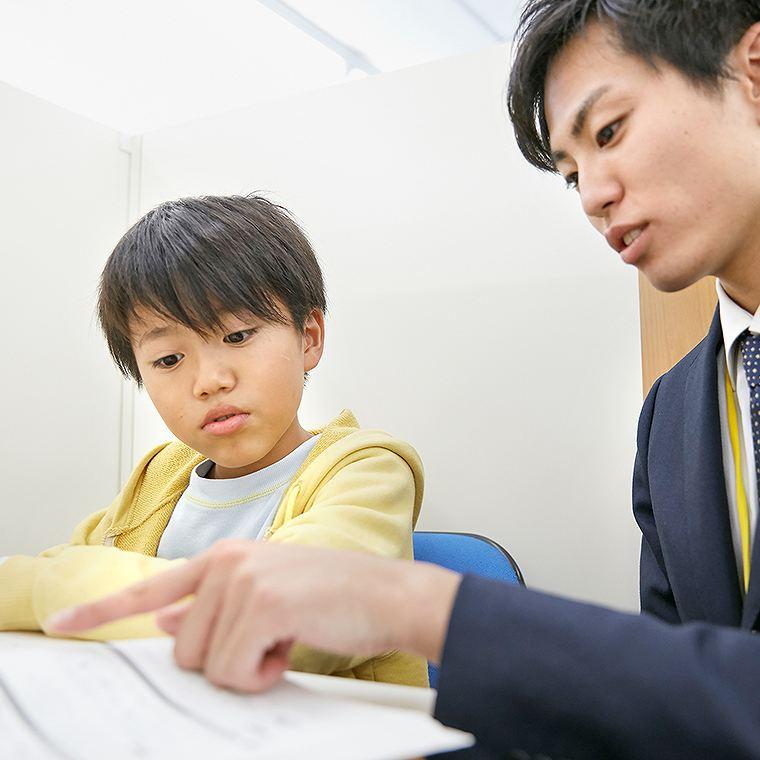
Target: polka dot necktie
point(750, 348)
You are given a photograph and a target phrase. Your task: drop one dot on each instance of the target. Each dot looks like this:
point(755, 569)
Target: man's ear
point(313, 339)
point(747, 61)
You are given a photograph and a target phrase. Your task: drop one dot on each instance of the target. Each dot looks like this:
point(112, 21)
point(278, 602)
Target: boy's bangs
point(198, 298)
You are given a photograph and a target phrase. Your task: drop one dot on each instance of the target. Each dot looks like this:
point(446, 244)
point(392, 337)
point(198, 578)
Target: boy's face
point(252, 373)
point(653, 154)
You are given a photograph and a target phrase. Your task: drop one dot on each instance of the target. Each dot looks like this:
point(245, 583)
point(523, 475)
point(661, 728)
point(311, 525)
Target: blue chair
point(465, 553)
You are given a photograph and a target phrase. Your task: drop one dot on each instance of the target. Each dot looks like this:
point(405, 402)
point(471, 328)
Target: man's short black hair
point(693, 36)
point(195, 260)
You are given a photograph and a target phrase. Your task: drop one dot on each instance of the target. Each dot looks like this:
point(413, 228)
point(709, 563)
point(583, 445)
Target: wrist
point(428, 594)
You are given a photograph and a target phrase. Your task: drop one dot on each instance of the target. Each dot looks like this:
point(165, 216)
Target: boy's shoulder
point(344, 436)
point(342, 441)
point(367, 466)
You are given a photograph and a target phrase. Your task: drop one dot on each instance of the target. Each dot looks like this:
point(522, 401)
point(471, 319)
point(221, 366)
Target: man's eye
point(241, 336)
point(168, 361)
point(605, 135)
point(571, 181)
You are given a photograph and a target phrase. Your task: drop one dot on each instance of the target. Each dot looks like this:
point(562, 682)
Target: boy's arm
point(367, 506)
point(18, 574)
point(33, 588)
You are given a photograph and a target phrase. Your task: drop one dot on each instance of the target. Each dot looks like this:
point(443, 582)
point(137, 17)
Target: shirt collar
point(734, 320)
point(254, 485)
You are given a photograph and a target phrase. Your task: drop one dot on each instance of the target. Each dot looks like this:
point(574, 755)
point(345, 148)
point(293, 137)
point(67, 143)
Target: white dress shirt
point(734, 320)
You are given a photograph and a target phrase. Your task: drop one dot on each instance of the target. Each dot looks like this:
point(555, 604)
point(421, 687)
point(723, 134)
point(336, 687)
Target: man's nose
point(600, 192)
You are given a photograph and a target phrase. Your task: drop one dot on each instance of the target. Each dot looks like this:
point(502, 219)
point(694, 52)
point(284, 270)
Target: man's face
point(251, 373)
point(655, 156)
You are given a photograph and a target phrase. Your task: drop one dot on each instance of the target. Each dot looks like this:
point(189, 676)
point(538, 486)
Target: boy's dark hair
point(196, 259)
point(693, 36)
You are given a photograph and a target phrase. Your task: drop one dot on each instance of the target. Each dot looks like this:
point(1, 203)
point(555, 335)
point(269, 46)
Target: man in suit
point(651, 110)
point(653, 115)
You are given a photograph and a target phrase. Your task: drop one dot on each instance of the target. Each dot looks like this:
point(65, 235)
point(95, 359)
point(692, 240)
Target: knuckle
point(228, 549)
point(267, 596)
point(216, 676)
point(186, 657)
point(244, 577)
point(137, 593)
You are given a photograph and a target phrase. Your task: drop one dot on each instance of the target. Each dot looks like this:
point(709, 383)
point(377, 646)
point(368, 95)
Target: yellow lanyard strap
point(741, 496)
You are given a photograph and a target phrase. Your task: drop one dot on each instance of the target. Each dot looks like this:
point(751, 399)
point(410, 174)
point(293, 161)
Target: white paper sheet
point(73, 700)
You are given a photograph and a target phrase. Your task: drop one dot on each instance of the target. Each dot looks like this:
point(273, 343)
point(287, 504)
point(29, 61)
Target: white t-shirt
point(210, 510)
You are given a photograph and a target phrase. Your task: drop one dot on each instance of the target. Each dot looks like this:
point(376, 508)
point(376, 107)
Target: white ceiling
point(145, 64)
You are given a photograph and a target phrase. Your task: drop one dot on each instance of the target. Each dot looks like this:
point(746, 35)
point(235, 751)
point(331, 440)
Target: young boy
point(216, 306)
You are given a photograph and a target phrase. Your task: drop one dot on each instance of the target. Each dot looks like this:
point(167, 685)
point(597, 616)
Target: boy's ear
point(313, 339)
point(748, 51)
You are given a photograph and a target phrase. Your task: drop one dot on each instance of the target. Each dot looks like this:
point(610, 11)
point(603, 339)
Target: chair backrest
point(465, 553)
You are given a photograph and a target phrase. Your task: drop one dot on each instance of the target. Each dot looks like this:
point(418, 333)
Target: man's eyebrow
point(155, 332)
point(580, 118)
point(585, 109)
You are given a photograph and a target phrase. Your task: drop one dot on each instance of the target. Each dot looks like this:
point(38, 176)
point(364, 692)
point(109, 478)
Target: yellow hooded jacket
point(358, 489)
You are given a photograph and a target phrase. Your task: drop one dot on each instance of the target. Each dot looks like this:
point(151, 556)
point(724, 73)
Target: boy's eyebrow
point(155, 332)
point(580, 118)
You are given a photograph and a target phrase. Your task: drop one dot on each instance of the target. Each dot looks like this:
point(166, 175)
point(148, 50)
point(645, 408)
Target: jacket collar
point(713, 564)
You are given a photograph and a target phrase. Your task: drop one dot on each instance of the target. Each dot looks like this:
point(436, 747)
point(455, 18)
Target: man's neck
point(746, 297)
point(741, 281)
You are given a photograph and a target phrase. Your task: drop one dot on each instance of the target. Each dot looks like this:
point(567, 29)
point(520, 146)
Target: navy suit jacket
point(688, 567)
point(533, 675)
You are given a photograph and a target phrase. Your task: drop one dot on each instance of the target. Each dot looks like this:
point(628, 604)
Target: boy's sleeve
point(18, 574)
point(33, 588)
point(367, 505)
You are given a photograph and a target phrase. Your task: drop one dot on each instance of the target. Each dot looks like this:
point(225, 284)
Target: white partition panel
point(63, 204)
point(472, 309)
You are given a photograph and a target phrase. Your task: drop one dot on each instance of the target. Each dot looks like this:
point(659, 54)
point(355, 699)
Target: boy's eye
point(571, 181)
point(240, 336)
point(168, 361)
point(605, 135)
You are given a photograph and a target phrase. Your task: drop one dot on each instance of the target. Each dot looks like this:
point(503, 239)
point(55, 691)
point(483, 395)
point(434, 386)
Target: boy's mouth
point(223, 420)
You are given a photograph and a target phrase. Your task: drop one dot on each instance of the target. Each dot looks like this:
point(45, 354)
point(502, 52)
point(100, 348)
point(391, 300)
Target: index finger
point(145, 596)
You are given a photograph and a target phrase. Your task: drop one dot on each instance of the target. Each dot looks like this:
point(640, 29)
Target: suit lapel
point(713, 564)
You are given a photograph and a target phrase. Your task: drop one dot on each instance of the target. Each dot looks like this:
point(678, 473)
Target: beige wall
point(63, 191)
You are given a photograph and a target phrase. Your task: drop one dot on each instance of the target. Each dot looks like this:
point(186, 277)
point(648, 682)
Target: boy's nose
point(213, 379)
